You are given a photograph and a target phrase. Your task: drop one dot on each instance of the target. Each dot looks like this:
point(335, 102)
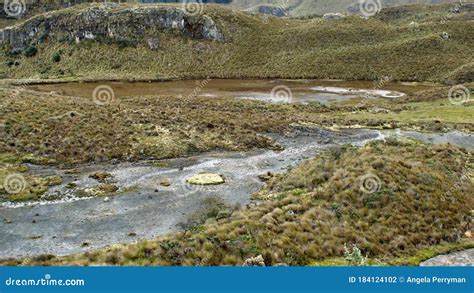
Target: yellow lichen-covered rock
point(206, 179)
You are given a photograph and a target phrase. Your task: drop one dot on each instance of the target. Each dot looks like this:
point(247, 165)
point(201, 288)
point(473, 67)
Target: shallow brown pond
point(276, 91)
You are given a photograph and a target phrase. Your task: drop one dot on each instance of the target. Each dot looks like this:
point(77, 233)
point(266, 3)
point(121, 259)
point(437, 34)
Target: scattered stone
point(281, 264)
point(255, 262)
point(445, 35)
point(460, 258)
point(165, 182)
point(454, 9)
point(378, 110)
point(154, 43)
point(414, 24)
point(468, 234)
point(206, 179)
point(332, 16)
point(107, 199)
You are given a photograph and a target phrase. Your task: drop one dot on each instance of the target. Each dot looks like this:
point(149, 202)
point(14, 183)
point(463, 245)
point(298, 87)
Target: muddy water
point(276, 91)
point(147, 209)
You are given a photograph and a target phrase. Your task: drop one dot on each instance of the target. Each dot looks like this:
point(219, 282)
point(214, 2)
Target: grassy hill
point(348, 48)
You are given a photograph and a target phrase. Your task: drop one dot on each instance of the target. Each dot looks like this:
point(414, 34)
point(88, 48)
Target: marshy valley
point(223, 135)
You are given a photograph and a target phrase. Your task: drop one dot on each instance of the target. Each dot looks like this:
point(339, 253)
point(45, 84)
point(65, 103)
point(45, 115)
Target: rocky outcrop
point(460, 258)
point(206, 179)
point(125, 24)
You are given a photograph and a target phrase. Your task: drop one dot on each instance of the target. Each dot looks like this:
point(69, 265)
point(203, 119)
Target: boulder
point(257, 261)
point(206, 179)
point(154, 43)
point(445, 35)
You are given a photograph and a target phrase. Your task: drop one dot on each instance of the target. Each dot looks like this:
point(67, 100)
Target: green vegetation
point(309, 215)
point(30, 51)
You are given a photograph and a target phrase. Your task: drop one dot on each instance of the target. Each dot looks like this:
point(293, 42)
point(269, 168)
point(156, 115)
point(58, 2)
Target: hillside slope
point(74, 43)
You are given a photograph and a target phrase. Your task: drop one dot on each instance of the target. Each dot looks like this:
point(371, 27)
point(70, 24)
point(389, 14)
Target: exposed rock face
point(127, 24)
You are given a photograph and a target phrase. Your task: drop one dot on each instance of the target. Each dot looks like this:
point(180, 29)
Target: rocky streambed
point(152, 199)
